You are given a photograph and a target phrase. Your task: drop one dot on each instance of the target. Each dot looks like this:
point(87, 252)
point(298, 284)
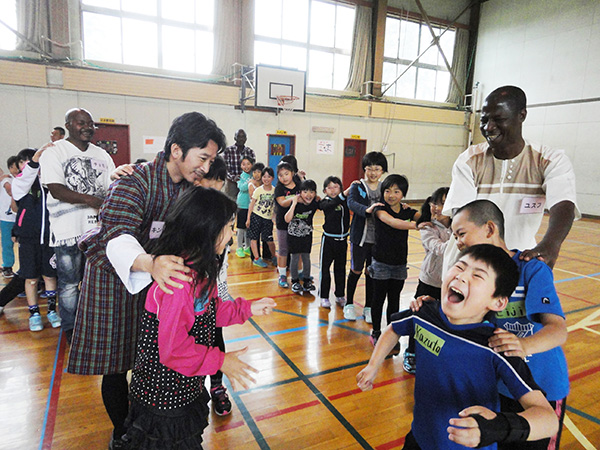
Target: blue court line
point(258, 436)
point(273, 333)
point(337, 323)
point(582, 309)
point(584, 415)
point(577, 278)
point(50, 391)
point(324, 400)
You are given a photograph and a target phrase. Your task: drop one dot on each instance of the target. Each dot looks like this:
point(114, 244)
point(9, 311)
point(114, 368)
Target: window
point(8, 39)
point(310, 35)
point(428, 78)
point(171, 35)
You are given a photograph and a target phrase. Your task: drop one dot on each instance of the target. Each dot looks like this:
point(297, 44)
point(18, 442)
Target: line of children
point(434, 239)
point(455, 404)
point(299, 218)
point(176, 344)
point(334, 242)
point(243, 202)
point(260, 220)
point(362, 200)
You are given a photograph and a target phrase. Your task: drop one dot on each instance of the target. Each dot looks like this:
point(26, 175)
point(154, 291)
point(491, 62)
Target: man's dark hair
point(60, 130)
point(257, 166)
point(268, 170)
point(375, 159)
point(395, 180)
point(12, 160)
point(218, 170)
point(193, 130)
point(482, 211)
point(513, 95)
point(308, 185)
point(332, 179)
point(285, 166)
point(507, 272)
point(26, 154)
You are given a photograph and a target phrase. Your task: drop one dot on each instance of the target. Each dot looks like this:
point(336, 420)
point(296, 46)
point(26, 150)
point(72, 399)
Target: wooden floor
point(306, 395)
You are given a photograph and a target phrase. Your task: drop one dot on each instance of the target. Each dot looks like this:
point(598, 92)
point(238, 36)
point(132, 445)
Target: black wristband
point(505, 427)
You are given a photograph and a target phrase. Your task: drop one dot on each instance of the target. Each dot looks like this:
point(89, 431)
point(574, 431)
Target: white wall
point(424, 151)
point(551, 49)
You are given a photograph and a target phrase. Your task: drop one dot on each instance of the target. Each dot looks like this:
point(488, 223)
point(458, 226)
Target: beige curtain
point(228, 35)
point(360, 62)
point(33, 22)
point(459, 65)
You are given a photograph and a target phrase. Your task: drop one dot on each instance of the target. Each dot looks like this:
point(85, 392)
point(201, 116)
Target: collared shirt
point(233, 157)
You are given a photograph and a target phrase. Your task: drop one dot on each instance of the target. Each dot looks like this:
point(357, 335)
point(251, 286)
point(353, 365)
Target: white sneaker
point(35, 322)
point(367, 314)
point(325, 303)
point(341, 301)
point(54, 319)
point(349, 313)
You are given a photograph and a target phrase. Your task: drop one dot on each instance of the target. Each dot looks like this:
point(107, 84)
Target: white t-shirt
point(6, 213)
point(83, 172)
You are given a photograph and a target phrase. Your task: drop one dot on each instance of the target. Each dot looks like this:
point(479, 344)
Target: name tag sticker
point(532, 205)
point(156, 229)
point(99, 165)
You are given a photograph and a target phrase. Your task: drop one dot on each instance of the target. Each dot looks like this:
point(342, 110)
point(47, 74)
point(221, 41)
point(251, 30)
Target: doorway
point(114, 139)
point(279, 146)
point(354, 150)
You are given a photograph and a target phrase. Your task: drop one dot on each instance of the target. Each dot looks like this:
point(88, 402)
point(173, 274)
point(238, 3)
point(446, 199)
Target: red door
point(114, 139)
point(354, 150)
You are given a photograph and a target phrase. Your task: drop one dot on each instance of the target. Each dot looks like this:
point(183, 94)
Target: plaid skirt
point(107, 324)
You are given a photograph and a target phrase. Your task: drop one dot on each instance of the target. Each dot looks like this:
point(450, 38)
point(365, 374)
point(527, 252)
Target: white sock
point(281, 271)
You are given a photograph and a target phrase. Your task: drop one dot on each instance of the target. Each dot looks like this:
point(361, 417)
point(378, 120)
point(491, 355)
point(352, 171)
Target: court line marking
point(578, 277)
point(353, 432)
point(53, 396)
point(587, 445)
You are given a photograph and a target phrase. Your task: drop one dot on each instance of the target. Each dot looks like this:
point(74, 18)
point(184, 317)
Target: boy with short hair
point(456, 392)
point(334, 242)
point(533, 325)
point(300, 219)
point(7, 217)
point(362, 200)
point(260, 216)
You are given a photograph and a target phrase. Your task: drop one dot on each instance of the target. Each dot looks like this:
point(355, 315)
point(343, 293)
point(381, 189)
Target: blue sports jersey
point(456, 370)
point(535, 294)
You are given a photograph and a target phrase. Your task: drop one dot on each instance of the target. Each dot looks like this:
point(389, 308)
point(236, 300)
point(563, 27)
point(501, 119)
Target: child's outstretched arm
point(537, 421)
point(289, 215)
point(238, 372)
point(262, 307)
point(385, 344)
point(398, 224)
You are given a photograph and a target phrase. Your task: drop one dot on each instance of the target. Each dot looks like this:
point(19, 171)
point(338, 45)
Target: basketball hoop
point(286, 102)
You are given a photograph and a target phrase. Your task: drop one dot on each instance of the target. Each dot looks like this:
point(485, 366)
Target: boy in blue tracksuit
point(362, 200)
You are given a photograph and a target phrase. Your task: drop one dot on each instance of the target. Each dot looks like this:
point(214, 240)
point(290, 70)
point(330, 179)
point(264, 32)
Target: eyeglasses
point(373, 169)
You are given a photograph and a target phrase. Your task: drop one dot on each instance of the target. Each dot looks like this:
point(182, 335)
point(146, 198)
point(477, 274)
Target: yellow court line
point(252, 282)
point(587, 445)
point(577, 274)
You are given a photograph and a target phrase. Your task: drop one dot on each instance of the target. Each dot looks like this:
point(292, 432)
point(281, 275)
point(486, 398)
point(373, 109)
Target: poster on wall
point(153, 144)
point(325, 147)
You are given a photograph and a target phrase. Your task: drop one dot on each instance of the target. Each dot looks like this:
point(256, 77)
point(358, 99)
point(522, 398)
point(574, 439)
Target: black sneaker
point(220, 400)
point(308, 286)
point(297, 288)
point(119, 444)
point(410, 362)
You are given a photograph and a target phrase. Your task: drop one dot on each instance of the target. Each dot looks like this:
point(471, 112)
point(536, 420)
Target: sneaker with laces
point(309, 286)
point(297, 288)
point(260, 263)
point(367, 314)
point(7, 272)
point(349, 313)
point(35, 322)
point(22, 295)
point(374, 337)
point(410, 362)
point(247, 251)
point(283, 282)
point(220, 401)
point(325, 303)
point(240, 253)
point(54, 319)
point(341, 301)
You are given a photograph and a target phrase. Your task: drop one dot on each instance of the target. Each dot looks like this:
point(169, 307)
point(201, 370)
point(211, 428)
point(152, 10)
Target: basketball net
point(285, 103)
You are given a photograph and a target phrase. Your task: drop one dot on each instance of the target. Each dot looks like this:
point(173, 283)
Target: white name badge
point(99, 165)
point(532, 205)
point(156, 229)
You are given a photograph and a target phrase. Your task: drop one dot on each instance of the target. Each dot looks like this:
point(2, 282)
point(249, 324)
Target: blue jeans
point(8, 249)
point(70, 263)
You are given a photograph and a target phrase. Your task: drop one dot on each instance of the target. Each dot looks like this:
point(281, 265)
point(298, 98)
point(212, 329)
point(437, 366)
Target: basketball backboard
point(272, 81)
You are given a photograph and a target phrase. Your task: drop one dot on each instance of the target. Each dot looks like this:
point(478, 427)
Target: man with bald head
point(77, 173)
point(522, 178)
point(233, 157)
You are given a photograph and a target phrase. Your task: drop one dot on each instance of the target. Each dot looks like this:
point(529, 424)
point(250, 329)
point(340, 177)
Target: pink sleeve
point(177, 349)
point(233, 312)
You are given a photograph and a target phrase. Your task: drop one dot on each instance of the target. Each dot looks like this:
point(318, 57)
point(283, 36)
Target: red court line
point(20, 330)
point(247, 273)
point(577, 298)
point(52, 410)
point(392, 444)
point(376, 385)
point(584, 374)
point(229, 426)
point(287, 410)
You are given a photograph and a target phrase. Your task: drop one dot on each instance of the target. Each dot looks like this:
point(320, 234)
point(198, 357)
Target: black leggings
point(382, 288)
point(216, 380)
point(115, 392)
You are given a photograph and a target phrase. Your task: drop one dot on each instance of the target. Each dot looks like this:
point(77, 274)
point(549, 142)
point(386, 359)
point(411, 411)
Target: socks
point(282, 271)
point(51, 297)
point(35, 309)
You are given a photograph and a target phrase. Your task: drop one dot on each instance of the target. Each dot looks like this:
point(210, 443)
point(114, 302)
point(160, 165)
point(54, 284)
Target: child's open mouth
point(455, 296)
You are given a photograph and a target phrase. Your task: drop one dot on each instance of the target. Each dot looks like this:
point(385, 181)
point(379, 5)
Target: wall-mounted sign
point(355, 136)
point(153, 144)
point(325, 147)
point(106, 120)
point(281, 132)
